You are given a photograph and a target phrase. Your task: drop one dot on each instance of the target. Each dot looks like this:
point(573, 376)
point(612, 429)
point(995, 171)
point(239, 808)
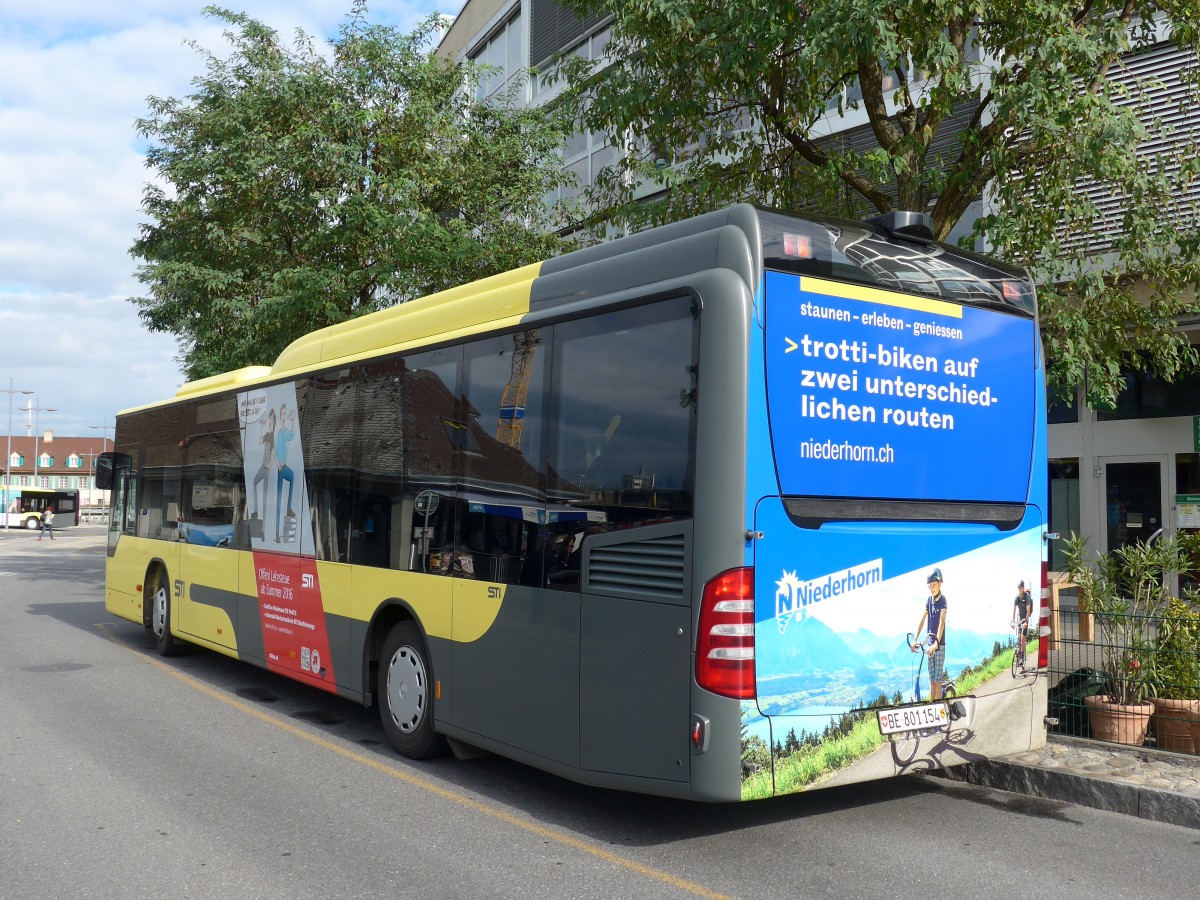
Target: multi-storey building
point(1116, 475)
point(64, 463)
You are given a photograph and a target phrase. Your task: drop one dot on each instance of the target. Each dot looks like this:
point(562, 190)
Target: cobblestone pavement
point(1164, 771)
point(1140, 782)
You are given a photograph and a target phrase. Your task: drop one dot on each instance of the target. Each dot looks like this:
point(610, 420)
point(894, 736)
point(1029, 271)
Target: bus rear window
point(858, 253)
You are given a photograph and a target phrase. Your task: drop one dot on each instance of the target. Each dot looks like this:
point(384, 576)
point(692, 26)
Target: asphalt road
point(123, 775)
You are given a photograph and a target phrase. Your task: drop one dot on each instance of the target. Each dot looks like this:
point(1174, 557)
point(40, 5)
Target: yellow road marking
point(421, 783)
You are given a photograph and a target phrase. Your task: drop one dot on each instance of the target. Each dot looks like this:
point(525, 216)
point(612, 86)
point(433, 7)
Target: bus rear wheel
point(158, 587)
point(405, 691)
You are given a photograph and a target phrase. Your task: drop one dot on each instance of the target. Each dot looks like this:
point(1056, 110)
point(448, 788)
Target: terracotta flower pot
point(1194, 725)
point(1116, 723)
point(1171, 726)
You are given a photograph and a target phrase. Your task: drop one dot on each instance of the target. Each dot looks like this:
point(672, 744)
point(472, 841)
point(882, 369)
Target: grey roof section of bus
point(728, 238)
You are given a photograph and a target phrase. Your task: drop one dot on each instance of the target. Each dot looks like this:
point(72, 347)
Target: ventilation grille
point(553, 27)
point(652, 569)
point(1158, 89)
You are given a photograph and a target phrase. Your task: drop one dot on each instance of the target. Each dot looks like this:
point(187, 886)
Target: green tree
point(300, 186)
point(1014, 100)
point(792, 743)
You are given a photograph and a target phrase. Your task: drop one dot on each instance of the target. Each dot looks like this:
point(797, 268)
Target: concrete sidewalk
point(1135, 781)
point(20, 541)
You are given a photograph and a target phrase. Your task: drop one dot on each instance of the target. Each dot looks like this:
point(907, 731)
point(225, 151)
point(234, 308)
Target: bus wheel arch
point(33, 523)
point(405, 690)
point(157, 608)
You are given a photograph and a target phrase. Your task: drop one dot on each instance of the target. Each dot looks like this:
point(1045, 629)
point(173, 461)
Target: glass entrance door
point(1133, 502)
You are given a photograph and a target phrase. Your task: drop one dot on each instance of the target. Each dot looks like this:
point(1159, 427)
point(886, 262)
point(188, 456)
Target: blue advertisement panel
point(873, 393)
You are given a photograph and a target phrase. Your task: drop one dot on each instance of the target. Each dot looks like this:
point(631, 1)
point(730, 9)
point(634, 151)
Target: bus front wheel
point(33, 523)
point(158, 586)
point(405, 691)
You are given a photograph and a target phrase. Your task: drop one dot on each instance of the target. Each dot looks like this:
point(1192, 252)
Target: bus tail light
point(725, 640)
point(1044, 620)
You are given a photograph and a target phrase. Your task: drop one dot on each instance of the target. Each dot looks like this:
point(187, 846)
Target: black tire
point(33, 523)
point(158, 595)
point(406, 691)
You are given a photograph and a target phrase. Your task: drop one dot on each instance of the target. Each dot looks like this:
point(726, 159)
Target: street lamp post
point(104, 430)
point(37, 419)
point(8, 454)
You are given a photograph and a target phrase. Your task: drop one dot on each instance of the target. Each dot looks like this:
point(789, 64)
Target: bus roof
point(741, 238)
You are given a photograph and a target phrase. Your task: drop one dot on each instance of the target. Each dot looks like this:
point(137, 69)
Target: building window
point(74, 461)
point(44, 481)
point(1064, 411)
point(504, 53)
point(1064, 507)
point(594, 47)
point(16, 460)
point(63, 482)
point(585, 156)
point(1147, 396)
point(45, 460)
point(891, 82)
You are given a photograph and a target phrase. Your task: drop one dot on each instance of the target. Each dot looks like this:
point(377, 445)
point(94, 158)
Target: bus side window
point(623, 446)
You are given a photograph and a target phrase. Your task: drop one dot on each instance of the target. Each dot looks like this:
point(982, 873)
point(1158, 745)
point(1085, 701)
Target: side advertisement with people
point(290, 605)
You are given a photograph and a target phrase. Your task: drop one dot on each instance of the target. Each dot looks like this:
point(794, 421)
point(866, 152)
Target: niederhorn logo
point(793, 596)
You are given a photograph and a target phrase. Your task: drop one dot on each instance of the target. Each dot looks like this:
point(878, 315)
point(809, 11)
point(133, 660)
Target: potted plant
point(1175, 674)
point(1125, 590)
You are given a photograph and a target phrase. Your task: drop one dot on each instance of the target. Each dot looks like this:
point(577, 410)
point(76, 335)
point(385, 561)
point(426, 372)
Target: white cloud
point(74, 77)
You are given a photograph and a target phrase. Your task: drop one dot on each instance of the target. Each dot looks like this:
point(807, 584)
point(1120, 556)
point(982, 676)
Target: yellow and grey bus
point(662, 514)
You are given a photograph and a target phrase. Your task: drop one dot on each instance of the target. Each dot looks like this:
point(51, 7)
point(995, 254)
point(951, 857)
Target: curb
point(1097, 793)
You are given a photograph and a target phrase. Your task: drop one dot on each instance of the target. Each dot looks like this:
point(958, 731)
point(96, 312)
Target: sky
point(74, 77)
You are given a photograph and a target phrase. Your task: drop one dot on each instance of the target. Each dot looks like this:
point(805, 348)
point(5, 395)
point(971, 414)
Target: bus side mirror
point(107, 465)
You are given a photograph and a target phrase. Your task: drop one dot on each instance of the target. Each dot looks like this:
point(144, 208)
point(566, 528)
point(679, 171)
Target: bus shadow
point(602, 815)
point(638, 820)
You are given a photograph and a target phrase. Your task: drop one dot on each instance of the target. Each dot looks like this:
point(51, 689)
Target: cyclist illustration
point(932, 632)
point(1022, 608)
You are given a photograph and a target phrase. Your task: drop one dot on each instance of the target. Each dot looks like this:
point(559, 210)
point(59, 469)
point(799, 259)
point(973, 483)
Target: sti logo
point(306, 580)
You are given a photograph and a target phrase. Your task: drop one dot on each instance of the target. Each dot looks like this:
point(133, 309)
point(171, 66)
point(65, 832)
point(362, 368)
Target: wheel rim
point(406, 689)
point(158, 620)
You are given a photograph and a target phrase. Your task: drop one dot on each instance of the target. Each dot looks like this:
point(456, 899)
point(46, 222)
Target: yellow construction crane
point(516, 392)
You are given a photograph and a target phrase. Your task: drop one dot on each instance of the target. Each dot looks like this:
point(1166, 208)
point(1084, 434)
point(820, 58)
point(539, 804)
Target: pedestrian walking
point(47, 523)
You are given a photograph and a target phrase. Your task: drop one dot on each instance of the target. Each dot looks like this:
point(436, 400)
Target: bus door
point(208, 560)
point(515, 629)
